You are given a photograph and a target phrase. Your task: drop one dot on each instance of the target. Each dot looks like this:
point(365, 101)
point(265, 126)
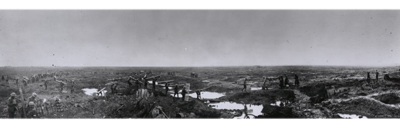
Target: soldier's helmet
point(34, 94)
point(13, 94)
point(31, 103)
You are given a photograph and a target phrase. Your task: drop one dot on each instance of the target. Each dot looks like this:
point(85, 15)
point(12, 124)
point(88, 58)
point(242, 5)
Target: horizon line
point(395, 65)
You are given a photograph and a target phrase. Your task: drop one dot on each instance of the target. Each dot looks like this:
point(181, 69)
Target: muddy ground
point(324, 92)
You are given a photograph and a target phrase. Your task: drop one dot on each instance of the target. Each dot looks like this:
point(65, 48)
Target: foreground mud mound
point(262, 96)
point(367, 107)
point(395, 77)
point(6, 90)
point(276, 112)
point(171, 107)
point(390, 98)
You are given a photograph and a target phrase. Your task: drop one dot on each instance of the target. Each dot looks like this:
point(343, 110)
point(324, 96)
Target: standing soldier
point(113, 88)
point(72, 86)
point(61, 86)
point(296, 80)
point(12, 105)
point(99, 91)
point(154, 84)
point(57, 104)
point(264, 87)
point(244, 85)
point(281, 84)
point(198, 93)
point(33, 98)
point(45, 84)
point(286, 81)
point(31, 112)
point(25, 82)
point(368, 78)
point(129, 82)
point(176, 91)
point(145, 82)
point(377, 76)
point(183, 94)
point(16, 82)
point(246, 115)
point(2, 77)
point(166, 88)
point(137, 84)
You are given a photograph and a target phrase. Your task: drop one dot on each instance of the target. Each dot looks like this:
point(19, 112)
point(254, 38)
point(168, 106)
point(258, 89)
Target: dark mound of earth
point(390, 98)
point(276, 112)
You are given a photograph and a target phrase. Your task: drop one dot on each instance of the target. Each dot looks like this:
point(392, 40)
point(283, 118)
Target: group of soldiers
point(376, 77)
point(283, 82)
point(194, 75)
point(28, 108)
point(176, 91)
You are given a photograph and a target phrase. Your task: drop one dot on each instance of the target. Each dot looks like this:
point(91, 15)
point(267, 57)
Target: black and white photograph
point(199, 64)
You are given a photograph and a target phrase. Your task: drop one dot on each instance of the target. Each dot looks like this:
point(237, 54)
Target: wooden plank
point(166, 81)
point(23, 102)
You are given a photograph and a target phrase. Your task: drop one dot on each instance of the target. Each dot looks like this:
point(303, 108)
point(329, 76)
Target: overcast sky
point(199, 38)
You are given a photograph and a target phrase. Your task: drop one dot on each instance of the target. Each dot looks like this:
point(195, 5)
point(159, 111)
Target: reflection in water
point(204, 95)
point(352, 116)
point(206, 81)
point(253, 110)
point(91, 91)
point(151, 82)
point(277, 103)
point(253, 88)
point(207, 95)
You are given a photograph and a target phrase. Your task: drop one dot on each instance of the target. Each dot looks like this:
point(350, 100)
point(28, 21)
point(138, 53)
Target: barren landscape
point(324, 92)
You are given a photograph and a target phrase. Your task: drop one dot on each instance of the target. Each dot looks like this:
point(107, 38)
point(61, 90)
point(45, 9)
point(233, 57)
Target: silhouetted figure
point(244, 85)
point(264, 86)
point(114, 88)
point(73, 87)
point(145, 83)
point(176, 91)
point(12, 105)
point(183, 94)
point(281, 83)
point(246, 115)
point(154, 84)
point(130, 83)
point(368, 78)
point(137, 85)
point(286, 81)
point(45, 84)
point(376, 76)
point(166, 88)
point(198, 93)
point(25, 82)
point(296, 80)
point(61, 87)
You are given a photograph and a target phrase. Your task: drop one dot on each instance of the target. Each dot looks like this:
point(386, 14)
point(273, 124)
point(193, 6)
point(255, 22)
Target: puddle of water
point(242, 117)
point(351, 116)
point(277, 103)
point(206, 81)
point(252, 109)
point(255, 88)
point(151, 82)
point(207, 95)
point(92, 91)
